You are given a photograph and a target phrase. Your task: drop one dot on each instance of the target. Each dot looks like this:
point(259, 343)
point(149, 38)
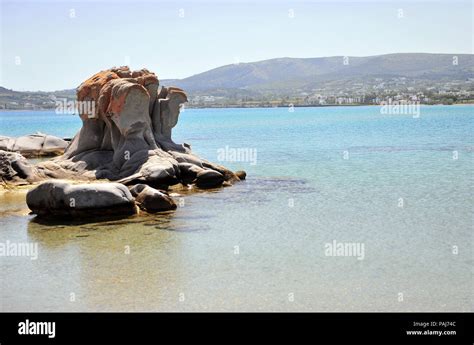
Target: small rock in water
point(241, 174)
point(152, 200)
point(209, 179)
point(56, 197)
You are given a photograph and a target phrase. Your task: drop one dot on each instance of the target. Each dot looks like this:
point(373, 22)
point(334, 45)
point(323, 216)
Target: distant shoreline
point(311, 106)
point(236, 106)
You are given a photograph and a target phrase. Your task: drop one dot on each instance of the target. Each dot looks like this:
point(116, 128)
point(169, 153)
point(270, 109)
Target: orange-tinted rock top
point(99, 88)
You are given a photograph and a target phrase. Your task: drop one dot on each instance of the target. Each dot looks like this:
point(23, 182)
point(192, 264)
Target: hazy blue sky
point(50, 45)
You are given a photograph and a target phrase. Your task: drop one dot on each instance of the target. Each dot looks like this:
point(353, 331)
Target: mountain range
point(309, 73)
point(281, 78)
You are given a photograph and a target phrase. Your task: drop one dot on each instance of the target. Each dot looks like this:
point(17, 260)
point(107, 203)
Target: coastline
point(310, 106)
point(237, 106)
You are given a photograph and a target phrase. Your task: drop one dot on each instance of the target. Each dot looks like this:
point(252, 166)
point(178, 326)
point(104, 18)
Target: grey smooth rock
point(34, 145)
point(209, 179)
point(56, 197)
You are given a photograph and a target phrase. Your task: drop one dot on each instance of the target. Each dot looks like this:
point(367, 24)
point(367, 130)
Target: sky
point(55, 45)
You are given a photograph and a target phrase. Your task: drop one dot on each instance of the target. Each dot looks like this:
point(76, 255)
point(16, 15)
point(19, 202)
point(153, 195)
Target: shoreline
point(236, 106)
point(313, 106)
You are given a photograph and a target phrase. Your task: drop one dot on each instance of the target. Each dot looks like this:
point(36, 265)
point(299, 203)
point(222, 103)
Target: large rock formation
point(126, 136)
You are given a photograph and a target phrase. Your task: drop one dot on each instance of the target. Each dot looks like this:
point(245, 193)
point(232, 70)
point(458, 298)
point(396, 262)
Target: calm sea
point(399, 187)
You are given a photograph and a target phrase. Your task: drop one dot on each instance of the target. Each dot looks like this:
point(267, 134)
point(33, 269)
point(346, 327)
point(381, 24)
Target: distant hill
point(10, 99)
point(308, 73)
point(308, 81)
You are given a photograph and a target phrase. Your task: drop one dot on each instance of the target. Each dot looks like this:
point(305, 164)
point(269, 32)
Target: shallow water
point(260, 245)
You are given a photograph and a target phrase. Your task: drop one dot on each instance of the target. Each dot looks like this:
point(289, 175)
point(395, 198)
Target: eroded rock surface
point(127, 137)
point(34, 145)
point(61, 198)
point(152, 200)
point(15, 169)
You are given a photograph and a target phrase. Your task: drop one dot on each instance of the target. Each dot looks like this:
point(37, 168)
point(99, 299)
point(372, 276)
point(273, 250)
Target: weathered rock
point(127, 121)
point(34, 145)
point(166, 111)
point(209, 179)
point(152, 200)
point(136, 189)
point(15, 169)
point(241, 174)
point(56, 197)
point(188, 172)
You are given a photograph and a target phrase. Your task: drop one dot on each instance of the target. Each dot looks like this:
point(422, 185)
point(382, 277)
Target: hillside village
point(424, 78)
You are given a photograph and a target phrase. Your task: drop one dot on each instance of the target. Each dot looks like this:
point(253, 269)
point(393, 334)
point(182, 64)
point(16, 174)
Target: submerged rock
point(85, 200)
point(34, 145)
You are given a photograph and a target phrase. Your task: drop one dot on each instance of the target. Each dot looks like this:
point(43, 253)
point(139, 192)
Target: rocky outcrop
point(60, 198)
point(15, 169)
point(34, 145)
point(152, 200)
point(126, 134)
point(242, 175)
point(209, 179)
point(126, 137)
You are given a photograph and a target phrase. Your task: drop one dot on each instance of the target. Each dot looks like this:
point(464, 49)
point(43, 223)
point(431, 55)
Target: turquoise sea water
point(399, 185)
